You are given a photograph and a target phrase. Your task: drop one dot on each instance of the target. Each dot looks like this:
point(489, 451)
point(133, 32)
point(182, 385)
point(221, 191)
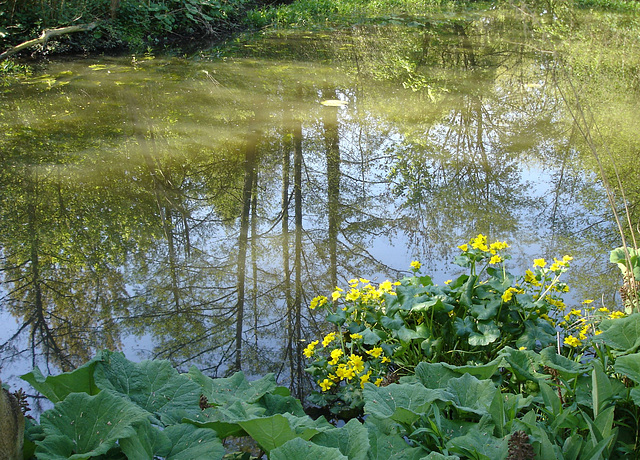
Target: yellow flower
point(378, 382)
point(586, 301)
point(448, 282)
point(356, 336)
point(464, 247)
point(385, 359)
point(386, 286)
point(330, 337)
point(508, 294)
point(572, 341)
point(325, 384)
point(335, 356)
point(416, 265)
point(309, 349)
point(353, 294)
point(566, 258)
point(480, 242)
point(348, 373)
point(499, 245)
point(355, 361)
point(617, 314)
point(539, 263)
point(604, 309)
point(364, 281)
point(522, 348)
point(495, 260)
point(375, 352)
point(364, 378)
point(318, 302)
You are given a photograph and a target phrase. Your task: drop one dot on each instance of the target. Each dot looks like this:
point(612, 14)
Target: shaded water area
point(190, 208)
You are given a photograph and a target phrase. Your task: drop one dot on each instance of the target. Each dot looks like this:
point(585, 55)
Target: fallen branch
point(46, 35)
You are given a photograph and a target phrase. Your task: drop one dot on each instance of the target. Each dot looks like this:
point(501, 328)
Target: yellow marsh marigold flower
point(572, 341)
point(498, 246)
point(356, 336)
point(318, 302)
point(309, 349)
point(378, 382)
point(508, 294)
point(330, 337)
point(617, 314)
point(336, 294)
point(354, 294)
point(355, 361)
point(325, 384)
point(480, 242)
point(530, 278)
point(522, 348)
point(495, 260)
point(539, 263)
point(364, 281)
point(464, 247)
point(385, 359)
point(386, 286)
point(375, 352)
point(415, 265)
point(364, 378)
point(335, 356)
point(604, 309)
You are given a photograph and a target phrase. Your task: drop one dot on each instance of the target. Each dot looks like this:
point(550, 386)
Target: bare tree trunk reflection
point(297, 377)
point(249, 179)
point(331, 139)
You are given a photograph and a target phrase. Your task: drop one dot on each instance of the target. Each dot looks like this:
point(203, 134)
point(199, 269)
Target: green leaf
point(189, 442)
point(370, 337)
point(434, 375)
point(567, 368)
point(464, 326)
point(485, 310)
point(479, 445)
point(352, 440)
point(84, 426)
point(622, 334)
point(385, 402)
point(602, 390)
point(466, 298)
point(537, 334)
point(386, 443)
point(550, 398)
point(487, 333)
point(56, 388)
point(153, 385)
point(481, 371)
point(629, 365)
point(148, 442)
point(471, 394)
point(299, 449)
point(237, 387)
point(269, 432)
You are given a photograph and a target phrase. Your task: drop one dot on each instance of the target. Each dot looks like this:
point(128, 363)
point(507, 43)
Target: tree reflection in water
point(190, 209)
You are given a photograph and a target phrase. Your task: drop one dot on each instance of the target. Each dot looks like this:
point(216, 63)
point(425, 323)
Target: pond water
point(189, 208)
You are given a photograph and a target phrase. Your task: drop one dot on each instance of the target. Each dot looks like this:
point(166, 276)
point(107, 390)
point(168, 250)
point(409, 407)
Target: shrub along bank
point(487, 366)
point(120, 24)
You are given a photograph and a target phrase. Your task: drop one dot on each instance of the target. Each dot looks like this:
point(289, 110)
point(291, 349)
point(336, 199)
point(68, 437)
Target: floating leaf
point(334, 103)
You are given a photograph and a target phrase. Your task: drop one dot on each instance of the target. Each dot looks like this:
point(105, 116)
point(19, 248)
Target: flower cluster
point(344, 358)
point(580, 325)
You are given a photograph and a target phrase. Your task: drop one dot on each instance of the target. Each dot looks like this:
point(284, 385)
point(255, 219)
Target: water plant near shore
point(464, 394)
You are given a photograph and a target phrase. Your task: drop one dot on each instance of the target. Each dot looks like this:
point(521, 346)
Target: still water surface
point(171, 206)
